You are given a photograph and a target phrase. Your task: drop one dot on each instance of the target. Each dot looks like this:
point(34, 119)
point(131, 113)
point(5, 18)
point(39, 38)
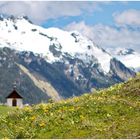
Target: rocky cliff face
point(37, 80)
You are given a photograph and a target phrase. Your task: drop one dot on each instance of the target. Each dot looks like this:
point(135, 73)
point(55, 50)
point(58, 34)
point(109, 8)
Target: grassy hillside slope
point(109, 113)
point(4, 110)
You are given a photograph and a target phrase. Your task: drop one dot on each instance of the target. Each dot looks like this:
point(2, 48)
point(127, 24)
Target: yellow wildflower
point(42, 124)
point(43, 106)
point(71, 109)
point(51, 114)
point(46, 111)
point(82, 117)
point(28, 109)
point(123, 119)
point(76, 99)
point(86, 94)
point(33, 118)
point(108, 115)
point(113, 97)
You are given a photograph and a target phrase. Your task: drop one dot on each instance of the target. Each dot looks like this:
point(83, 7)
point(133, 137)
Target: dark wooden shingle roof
point(14, 94)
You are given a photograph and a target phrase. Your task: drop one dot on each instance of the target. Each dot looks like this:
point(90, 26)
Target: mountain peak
point(17, 33)
point(127, 56)
point(25, 18)
point(14, 18)
point(125, 51)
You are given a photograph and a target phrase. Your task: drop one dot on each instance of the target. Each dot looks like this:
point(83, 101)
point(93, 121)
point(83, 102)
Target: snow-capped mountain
point(68, 62)
point(20, 34)
point(129, 57)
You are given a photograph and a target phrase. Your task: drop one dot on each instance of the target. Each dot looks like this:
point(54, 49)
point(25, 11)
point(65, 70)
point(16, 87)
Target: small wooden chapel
point(14, 99)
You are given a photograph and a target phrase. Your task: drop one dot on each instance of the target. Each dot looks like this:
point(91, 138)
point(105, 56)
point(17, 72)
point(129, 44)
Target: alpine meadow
point(69, 69)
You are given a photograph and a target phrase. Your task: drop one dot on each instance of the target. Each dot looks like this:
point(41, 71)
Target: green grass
point(5, 109)
point(109, 113)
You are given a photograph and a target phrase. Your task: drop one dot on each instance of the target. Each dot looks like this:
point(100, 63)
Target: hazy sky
point(108, 24)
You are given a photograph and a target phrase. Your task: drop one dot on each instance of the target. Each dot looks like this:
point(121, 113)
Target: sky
point(109, 24)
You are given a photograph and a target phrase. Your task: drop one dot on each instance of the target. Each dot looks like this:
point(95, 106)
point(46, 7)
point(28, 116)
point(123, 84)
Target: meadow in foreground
point(109, 113)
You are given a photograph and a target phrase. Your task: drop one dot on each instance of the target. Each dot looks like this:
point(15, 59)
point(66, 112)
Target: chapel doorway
point(14, 102)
